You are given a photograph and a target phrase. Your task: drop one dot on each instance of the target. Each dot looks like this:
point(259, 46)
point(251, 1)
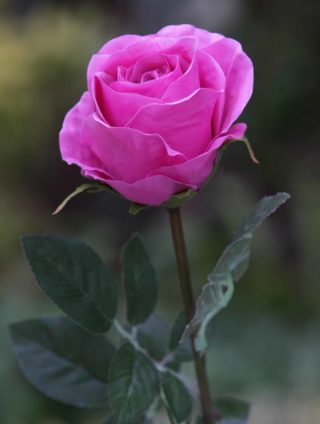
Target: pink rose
point(157, 110)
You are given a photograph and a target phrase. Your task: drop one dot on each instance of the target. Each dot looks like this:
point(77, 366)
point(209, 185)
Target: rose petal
point(236, 132)
point(204, 37)
point(72, 149)
point(153, 88)
point(238, 70)
point(153, 190)
point(195, 171)
point(148, 63)
point(184, 125)
point(125, 153)
point(185, 47)
point(116, 108)
point(98, 60)
point(192, 172)
point(210, 73)
point(184, 86)
point(158, 188)
point(129, 56)
point(203, 72)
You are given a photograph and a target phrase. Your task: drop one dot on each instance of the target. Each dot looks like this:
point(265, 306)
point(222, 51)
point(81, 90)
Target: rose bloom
point(157, 110)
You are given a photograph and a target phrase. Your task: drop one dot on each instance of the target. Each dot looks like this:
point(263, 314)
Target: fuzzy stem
point(189, 306)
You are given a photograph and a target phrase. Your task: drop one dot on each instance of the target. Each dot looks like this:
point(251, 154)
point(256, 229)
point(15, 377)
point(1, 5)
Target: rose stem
point(189, 306)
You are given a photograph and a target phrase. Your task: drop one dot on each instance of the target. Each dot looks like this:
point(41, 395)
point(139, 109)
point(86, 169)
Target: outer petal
point(127, 154)
point(72, 149)
point(115, 107)
point(238, 70)
point(158, 188)
point(204, 37)
point(195, 171)
point(184, 125)
point(153, 190)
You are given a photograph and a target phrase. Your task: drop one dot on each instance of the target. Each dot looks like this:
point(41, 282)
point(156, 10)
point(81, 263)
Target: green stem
point(189, 306)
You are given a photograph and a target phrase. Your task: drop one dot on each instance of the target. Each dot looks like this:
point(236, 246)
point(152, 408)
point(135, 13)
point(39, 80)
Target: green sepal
point(63, 361)
point(75, 279)
point(177, 200)
point(90, 188)
point(248, 146)
point(136, 208)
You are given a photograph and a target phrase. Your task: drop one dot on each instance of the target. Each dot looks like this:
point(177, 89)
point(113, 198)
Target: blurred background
point(266, 344)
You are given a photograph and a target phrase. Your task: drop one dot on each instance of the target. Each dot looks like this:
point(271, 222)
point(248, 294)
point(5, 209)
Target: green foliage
point(177, 398)
point(74, 277)
point(72, 365)
point(181, 348)
point(69, 364)
point(153, 336)
point(140, 281)
point(63, 361)
point(133, 384)
point(231, 266)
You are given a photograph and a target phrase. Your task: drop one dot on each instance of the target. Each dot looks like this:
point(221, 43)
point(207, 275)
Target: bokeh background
point(266, 345)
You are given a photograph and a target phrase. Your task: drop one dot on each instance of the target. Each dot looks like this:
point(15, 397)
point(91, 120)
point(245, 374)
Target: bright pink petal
point(99, 59)
point(204, 37)
point(155, 62)
point(127, 154)
point(195, 171)
point(238, 70)
point(117, 108)
point(192, 172)
point(184, 125)
point(153, 88)
point(185, 85)
point(185, 47)
point(236, 132)
point(204, 72)
point(72, 149)
point(153, 190)
point(210, 73)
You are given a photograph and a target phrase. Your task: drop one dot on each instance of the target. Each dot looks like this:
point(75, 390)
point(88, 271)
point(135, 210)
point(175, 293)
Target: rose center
point(155, 74)
point(147, 68)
